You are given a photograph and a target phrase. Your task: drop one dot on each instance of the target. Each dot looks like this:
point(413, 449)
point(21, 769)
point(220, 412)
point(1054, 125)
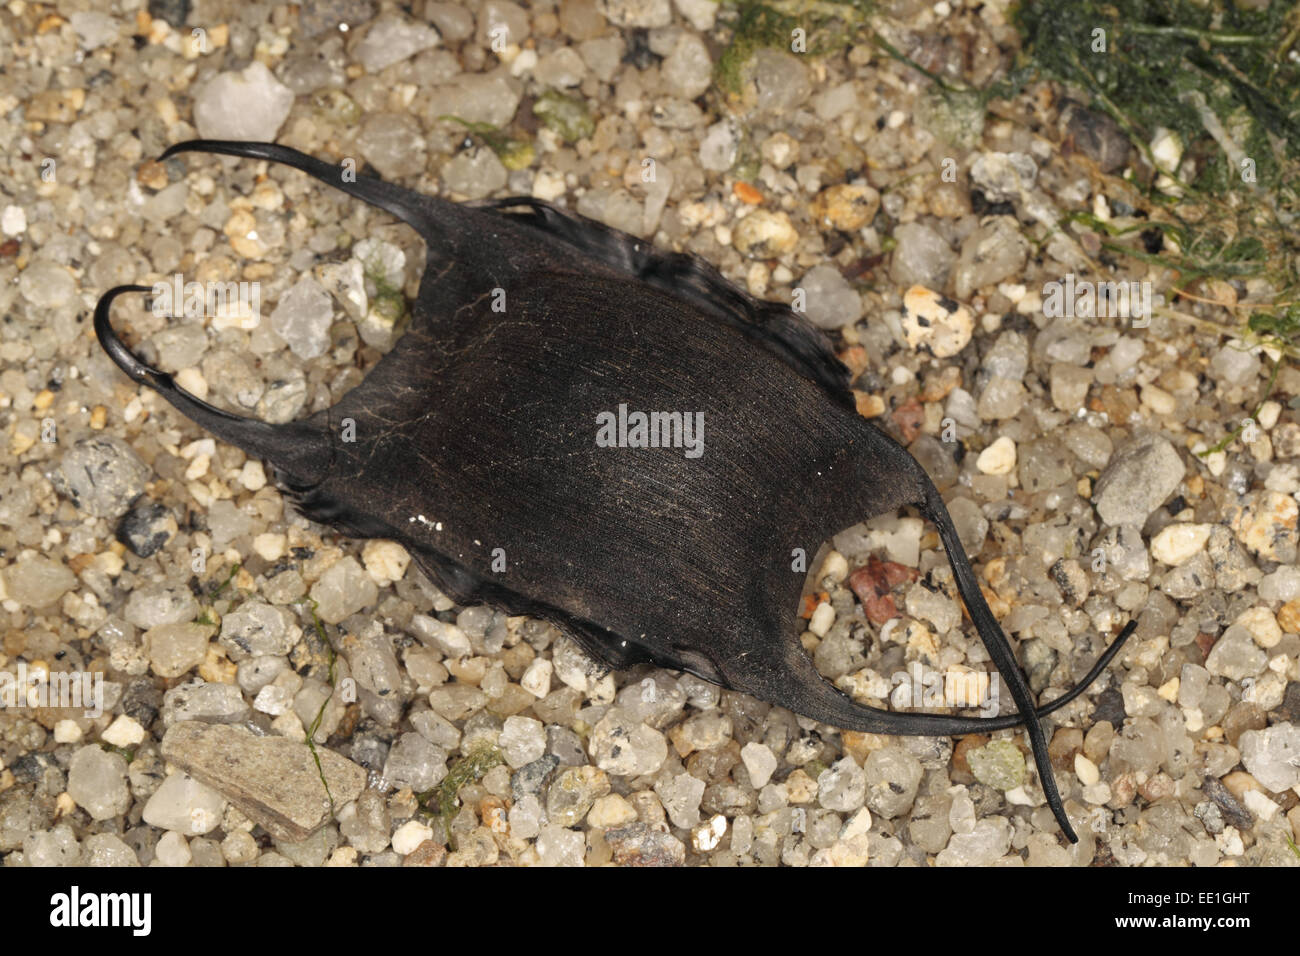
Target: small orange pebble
point(747, 193)
point(855, 358)
point(810, 602)
point(868, 405)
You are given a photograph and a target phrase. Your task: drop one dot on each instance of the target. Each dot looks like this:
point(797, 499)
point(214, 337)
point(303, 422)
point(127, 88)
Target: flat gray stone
point(1138, 480)
point(273, 780)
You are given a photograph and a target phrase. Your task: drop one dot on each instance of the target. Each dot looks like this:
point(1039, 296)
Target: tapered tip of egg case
point(122, 356)
point(999, 648)
point(412, 208)
point(296, 449)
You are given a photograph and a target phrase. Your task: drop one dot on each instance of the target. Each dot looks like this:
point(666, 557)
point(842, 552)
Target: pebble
point(997, 250)
point(147, 527)
point(416, 763)
point(474, 174)
point(764, 234)
point(409, 836)
point(1097, 136)
point(636, 13)
point(1282, 585)
point(999, 764)
point(639, 844)
point(46, 285)
point(1003, 176)
point(198, 700)
point(525, 817)
point(935, 322)
point(706, 837)
point(457, 701)
point(13, 221)
point(367, 823)
point(893, 776)
point(929, 828)
point(831, 303)
point(1260, 805)
point(988, 841)
point(123, 732)
point(1069, 386)
point(172, 850)
point(760, 762)
point(522, 741)
point(250, 104)
point(1262, 625)
point(227, 522)
point(706, 731)
point(257, 629)
point(823, 616)
point(446, 638)
point(343, 590)
point(154, 605)
point(21, 814)
point(626, 747)
point(1236, 656)
point(681, 794)
point(558, 846)
point(34, 580)
point(846, 206)
point(781, 80)
point(842, 787)
point(386, 561)
point(1002, 398)
point(688, 69)
point(537, 678)
point(184, 804)
point(1266, 523)
point(570, 796)
point(700, 13)
point(393, 38)
point(1235, 364)
point(107, 849)
point(611, 811)
point(1086, 770)
point(502, 22)
point(1140, 477)
point(97, 782)
point(921, 258)
point(1230, 810)
point(274, 781)
point(1272, 755)
point(55, 847)
point(102, 475)
point(174, 649)
point(1177, 543)
point(303, 317)
point(998, 458)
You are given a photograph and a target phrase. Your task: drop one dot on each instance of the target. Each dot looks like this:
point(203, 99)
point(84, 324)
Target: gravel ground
point(923, 239)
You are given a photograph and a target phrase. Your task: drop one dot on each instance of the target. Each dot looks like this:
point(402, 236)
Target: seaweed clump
point(1221, 83)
